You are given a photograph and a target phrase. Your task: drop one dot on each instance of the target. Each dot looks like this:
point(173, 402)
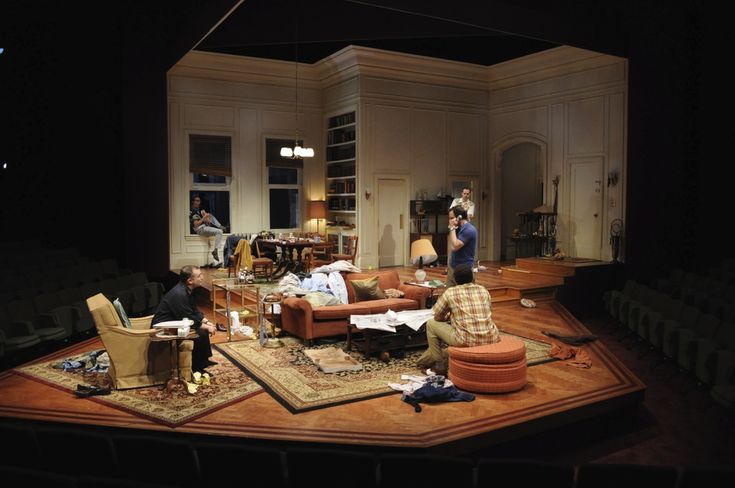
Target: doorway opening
point(521, 190)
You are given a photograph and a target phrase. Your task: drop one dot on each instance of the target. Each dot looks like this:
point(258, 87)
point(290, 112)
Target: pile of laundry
point(432, 388)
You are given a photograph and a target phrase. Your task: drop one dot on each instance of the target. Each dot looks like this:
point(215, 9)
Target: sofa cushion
point(386, 279)
point(321, 299)
point(367, 289)
point(342, 311)
point(395, 304)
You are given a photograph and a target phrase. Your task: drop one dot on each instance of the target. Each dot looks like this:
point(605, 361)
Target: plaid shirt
point(468, 307)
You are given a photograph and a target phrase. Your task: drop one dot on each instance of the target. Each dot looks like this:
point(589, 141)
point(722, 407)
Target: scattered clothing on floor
point(429, 389)
point(97, 361)
point(574, 356)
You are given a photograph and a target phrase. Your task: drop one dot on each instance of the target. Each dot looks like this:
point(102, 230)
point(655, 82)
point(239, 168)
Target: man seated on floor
point(178, 304)
point(462, 317)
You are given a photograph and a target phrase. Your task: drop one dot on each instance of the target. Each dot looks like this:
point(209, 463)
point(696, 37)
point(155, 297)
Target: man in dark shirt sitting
point(178, 304)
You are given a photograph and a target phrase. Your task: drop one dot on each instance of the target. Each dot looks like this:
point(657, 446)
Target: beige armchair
point(135, 360)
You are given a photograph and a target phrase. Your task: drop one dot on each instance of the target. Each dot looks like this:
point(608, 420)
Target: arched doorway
point(521, 190)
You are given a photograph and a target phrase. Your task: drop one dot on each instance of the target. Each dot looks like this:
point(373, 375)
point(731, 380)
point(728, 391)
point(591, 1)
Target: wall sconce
point(612, 178)
point(368, 193)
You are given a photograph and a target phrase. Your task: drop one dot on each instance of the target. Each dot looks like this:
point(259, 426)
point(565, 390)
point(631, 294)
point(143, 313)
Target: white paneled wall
point(572, 104)
point(428, 121)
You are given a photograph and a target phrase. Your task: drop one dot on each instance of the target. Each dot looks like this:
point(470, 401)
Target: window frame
point(268, 187)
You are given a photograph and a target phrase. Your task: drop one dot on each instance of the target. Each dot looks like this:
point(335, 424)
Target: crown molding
point(558, 61)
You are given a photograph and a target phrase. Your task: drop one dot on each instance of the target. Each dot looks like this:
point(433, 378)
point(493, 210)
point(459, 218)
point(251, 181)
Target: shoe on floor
point(85, 392)
point(209, 362)
point(221, 327)
point(215, 255)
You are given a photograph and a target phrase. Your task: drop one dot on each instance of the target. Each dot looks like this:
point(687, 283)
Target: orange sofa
point(300, 319)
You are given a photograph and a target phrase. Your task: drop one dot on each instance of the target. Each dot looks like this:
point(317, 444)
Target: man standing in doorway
point(465, 202)
point(462, 240)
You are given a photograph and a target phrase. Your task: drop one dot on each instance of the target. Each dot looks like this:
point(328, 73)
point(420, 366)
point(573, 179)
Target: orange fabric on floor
point(575, 356)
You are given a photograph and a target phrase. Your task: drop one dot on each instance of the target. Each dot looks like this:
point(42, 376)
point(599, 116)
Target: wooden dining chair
point(320, 254)
point(351, 253)
point(262, 265)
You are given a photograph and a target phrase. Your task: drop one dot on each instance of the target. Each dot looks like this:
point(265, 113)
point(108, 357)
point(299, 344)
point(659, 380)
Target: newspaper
point(389, 320)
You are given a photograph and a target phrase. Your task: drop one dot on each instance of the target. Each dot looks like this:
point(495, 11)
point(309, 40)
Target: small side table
point(175, 343)
point(269, 314)
point(435, 291)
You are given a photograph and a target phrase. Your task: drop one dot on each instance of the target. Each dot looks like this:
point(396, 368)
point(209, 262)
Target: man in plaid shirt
point(462, 317)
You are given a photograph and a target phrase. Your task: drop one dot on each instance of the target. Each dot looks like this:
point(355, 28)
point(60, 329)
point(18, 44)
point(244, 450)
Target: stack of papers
point(389, 320)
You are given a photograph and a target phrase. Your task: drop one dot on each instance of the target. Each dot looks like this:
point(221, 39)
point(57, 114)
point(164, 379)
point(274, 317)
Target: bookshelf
point(341, 177)
point(340, 159)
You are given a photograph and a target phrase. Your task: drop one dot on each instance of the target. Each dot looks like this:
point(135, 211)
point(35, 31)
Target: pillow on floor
point(367, 289)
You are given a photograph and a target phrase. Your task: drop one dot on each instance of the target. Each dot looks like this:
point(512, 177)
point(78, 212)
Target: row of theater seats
point(42, 310)
point(24, 256)
point(61, 457)
point(14, 286)
point(698, 335)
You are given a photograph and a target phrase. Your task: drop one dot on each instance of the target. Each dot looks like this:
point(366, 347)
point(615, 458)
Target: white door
point(585, 209)
point(392, 222)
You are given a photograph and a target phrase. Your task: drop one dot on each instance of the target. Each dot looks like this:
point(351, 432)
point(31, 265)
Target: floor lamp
point(317, 210)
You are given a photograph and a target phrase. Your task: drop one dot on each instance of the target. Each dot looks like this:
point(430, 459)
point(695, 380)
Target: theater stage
point(556, 395)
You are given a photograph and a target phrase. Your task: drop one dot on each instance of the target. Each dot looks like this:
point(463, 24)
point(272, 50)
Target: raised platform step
point(558, 267)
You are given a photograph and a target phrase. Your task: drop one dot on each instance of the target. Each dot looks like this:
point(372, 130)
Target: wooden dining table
point(288, 248)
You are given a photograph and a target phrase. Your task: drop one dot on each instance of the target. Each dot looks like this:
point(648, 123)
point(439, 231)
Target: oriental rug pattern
point(291, 377)
point(227, 386)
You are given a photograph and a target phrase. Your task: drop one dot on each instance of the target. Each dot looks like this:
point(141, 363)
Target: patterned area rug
point(293, 379)
point(228, 385)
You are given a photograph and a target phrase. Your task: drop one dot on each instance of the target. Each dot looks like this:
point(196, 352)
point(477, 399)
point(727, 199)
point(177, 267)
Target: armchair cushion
point(121, 313)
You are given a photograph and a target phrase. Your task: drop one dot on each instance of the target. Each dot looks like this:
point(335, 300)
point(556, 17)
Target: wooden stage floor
point(556, 395)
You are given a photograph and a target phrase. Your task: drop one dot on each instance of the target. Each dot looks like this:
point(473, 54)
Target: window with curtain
point(284, 186)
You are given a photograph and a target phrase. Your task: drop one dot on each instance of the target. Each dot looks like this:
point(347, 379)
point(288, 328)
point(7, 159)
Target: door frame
point(496, 156)
point(600, 230)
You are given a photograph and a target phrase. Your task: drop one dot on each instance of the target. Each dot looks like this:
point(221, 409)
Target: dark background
point(83, 105)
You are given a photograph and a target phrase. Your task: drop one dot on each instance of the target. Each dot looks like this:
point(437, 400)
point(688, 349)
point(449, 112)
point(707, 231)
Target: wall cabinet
point(429, 220)
point(341, 172)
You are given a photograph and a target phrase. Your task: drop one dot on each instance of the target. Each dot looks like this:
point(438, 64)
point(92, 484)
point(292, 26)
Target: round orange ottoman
point(490, 368)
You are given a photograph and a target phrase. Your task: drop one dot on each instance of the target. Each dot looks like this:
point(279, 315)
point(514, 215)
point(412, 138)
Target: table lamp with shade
point(317, 210)
point(422, 252)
